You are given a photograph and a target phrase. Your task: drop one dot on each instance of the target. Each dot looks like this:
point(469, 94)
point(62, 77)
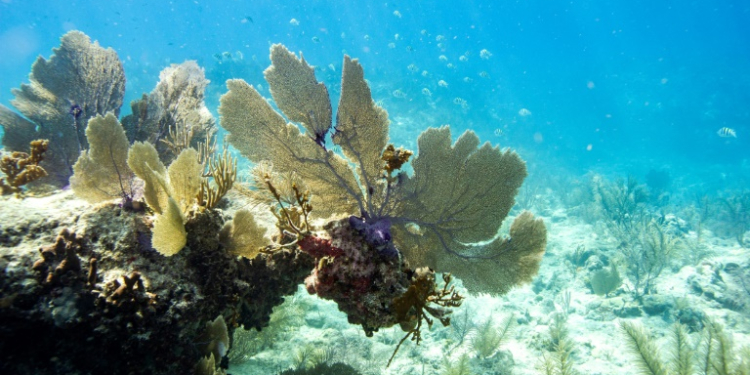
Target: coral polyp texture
point(446, 215)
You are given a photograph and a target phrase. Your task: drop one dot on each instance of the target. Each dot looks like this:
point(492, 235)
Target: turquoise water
point(646, 81)
point(588, 93)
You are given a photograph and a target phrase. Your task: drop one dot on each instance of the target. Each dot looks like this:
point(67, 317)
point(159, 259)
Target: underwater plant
point(711, 353)
point(460, 367)
point(557, 360)
point(736, 215)
point(647, 249)
point(323, 369)
point(643, 240)
point(491, 336)
point(445, 216)
point(622, 202)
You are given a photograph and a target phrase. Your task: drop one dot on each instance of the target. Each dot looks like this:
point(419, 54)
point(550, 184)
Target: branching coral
point(21, 168)
point(81, 80)
point(445, 216)
point(223, 171)
point(414, 306)
point(60, 262)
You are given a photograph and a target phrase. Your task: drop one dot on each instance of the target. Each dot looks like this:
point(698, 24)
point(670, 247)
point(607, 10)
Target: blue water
point(615, 88)
point(641, 84)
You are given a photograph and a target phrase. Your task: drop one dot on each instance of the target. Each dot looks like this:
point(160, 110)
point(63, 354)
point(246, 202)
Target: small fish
point(248, 19)
point(294, 22)
point(498, 132)
point(397, 13)
point(315, 39)
point(484, 54)
point(727, 133)
point(523, 112)
point(391, 45)
point(442, 83)
point(484, 74)
point(426, 92)
point(399, 94)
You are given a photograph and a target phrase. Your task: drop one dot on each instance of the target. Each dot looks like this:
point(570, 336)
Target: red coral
point(319, 247)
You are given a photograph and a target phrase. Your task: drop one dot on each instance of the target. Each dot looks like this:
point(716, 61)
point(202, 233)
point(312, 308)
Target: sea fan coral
point(457, 197)
point(80, 81)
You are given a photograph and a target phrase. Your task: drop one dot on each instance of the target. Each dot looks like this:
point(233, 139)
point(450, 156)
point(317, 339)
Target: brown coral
point(80, 80)
point(394, 158)
point(422, 300)
point(21, 168)
point(60, 262)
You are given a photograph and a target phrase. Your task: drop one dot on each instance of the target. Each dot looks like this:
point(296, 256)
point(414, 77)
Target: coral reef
point(80, 81)
point(176, 278)
point(456, 199)
point(21, 168)
point(132, 302)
